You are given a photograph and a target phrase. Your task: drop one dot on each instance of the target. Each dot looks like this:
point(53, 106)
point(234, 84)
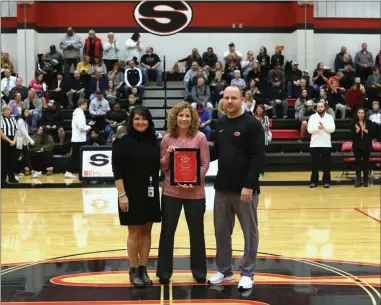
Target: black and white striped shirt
point(8, 126)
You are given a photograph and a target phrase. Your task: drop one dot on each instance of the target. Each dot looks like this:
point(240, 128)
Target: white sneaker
point(245, 283)
point(70, 175)
point(36, 174)
point(219, 277)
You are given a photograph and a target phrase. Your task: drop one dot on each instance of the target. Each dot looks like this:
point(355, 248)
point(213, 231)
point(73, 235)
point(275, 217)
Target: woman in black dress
point(362, 145)
point(136, 166)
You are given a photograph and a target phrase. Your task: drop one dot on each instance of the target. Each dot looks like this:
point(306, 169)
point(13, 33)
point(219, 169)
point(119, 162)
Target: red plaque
point(185, 166)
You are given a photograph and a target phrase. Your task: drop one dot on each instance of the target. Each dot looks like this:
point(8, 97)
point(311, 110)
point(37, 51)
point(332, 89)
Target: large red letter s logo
point(163, 17)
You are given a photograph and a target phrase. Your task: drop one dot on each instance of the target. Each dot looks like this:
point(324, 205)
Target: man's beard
point(320, 111)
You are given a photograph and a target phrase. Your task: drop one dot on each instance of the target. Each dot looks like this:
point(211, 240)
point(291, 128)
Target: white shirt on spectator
point(321, 137)
point(226, 53)
point(78, 126)
point(11, 84)
point(132, 50)
point(110, 50)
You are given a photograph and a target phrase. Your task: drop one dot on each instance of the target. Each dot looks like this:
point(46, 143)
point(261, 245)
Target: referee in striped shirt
point(8, 146)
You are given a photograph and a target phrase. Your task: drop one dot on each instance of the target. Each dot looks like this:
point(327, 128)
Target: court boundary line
point(366, 214)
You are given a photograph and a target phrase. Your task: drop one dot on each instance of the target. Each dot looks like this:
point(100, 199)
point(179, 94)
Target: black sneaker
point(327, 185)
point(313, 185)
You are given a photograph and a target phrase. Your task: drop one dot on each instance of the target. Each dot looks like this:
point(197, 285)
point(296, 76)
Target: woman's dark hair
point(356, 116)
point(264, 51)
point(263, 110)
point(135, 37)
point(317, 67)
point(143, 111)
point(22, 114)
point(301, 97)
point(44, 136)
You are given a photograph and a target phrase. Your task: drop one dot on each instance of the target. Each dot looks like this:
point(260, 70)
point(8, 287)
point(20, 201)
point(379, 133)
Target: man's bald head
point(233, 99)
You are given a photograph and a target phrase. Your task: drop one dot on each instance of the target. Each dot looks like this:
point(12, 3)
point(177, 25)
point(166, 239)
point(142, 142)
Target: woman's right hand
point(123, 203)
point(357, 128)
point(169, 150)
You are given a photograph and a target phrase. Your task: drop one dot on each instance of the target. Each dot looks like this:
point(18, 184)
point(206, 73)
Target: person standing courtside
point(240, 150)
point(9, 134)
point(321, 125)
point(78, 137)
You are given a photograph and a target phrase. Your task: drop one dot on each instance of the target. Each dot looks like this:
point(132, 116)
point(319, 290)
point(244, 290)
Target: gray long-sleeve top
point(363, 58)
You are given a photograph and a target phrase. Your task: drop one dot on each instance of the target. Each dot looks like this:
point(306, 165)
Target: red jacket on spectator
point(329, 81)
point(97, 50)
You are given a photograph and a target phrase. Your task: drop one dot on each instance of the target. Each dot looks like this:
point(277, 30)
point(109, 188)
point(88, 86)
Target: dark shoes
point(313, 185)
point(326, 185)
point(135, 277)
point(144, 276)
point(200, 280)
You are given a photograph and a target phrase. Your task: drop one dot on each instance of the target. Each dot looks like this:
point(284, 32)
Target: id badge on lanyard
point(151, 190)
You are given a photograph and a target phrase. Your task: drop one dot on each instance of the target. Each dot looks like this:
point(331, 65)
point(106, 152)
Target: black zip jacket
point(240, 150)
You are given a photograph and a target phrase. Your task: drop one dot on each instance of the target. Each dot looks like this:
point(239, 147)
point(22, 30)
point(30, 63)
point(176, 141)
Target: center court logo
point(163, 18)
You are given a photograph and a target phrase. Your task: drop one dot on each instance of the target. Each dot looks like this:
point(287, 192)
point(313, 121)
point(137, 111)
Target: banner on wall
point(96, 163)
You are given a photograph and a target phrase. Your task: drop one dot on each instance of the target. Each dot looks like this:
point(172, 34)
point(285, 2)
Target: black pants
point(109, 63)
point(194, 213)
point(67, 64)
point(362, 162)
point(26, 157)
point(76, 156)
point(321, 154)
point(100, 121)
point(8, 160)
point(42, 160)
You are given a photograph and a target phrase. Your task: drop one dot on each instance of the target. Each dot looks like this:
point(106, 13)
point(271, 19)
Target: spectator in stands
point(183, 132)
point(364, 62)
point(38, 85)
point(151, 62)
point(209, 59)
point(188, 78)
point(300, 102)
point(217, 87)
point(320, 78)
point(110, 51)
point(260, 115)
point(277, 60)
point(378, 59)
point(323, 96)
point(276, 73)
point(9, 135)
point(194, 57)
point(20, 89)
point(45, 67)
point(205, 120)
point(97, 83)
point(336, 99)
point(114, 118)
point(58, 90)
point(321, 126)
point(95, 138)
point(264, 62)
point(76, 89)
point(15, 105)
point(221, 108)
point(232, 64)
point(201, 94)
point(255, 73)
point(71, 44)
point(217, 68)
point(304, 114)
point(23, 140)
point(337, 78)
point(303, 86)
point(355, 96)
point(6, 63)
point(238, 81)
point(134, 98)
point(373, 84)
point(98, 64)
point(99, 106)
point(78, 137)
point(56, 59)
point(349, 74)
point(247, 65)
point(293, 80)
point(84, 67)
point(53, 121)
point(374, 115)
point(340, 62)
point(278, 99)
point(362, 134)
point(257, 94)
point(7, 84)
point(93, 46)
point(133, 78)
point(35, 106)
point(117, 77)
point(249, 104)
point(306, 76)
point(200, 73)
point(111, 93)
point(41, 153)
point(232, 53)
point(133, 47)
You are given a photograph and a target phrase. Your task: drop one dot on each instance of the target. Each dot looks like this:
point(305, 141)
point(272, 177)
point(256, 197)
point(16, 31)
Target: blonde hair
point(173, 129)
point(250, 95)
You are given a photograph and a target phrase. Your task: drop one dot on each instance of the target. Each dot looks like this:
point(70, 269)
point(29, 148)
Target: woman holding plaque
point(183, 141)
point(136, 166)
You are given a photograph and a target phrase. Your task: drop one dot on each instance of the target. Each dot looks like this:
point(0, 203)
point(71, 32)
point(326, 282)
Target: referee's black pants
point(321, 155)
point(76, 156)
point(8, 160)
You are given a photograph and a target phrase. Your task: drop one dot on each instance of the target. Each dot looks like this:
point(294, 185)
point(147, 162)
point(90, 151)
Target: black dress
point(136, 158)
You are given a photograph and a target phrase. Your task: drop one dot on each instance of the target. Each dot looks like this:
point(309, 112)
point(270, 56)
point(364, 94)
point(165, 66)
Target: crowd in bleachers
point(93, 70)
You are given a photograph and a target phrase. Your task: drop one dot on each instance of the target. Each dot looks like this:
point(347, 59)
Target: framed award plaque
point(185, 166)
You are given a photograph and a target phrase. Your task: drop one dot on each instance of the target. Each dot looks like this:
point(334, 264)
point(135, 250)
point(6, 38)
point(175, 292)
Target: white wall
point(9, 45)
point(347, 9)
point(328, 45)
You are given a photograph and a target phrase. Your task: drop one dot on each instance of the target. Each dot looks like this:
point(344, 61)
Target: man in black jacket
point(76, 89)
point(240, 149)
point(133, 78)
point(278, 99)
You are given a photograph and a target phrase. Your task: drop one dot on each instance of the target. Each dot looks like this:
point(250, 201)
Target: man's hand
point(321, 126)
point(247, 195)
point(202, 125)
